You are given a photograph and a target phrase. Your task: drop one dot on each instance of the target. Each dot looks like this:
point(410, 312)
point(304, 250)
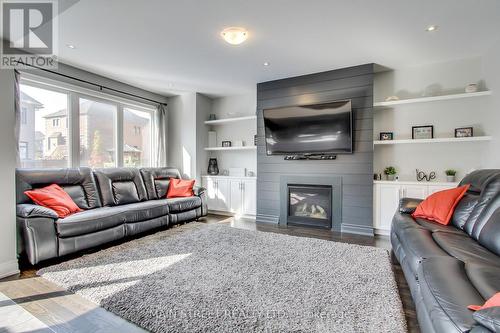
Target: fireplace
point(310, 205)
point(311, 201)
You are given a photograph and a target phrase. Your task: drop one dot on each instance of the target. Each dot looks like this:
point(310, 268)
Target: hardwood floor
point(44, 303)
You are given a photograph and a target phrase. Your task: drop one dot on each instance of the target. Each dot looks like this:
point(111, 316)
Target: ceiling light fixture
point(266, 64)
point(71, 46)
point(234, 35)
point(431, 28)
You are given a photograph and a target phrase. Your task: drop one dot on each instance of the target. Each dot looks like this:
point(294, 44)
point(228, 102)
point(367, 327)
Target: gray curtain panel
point(17, 110)
point(161, 136)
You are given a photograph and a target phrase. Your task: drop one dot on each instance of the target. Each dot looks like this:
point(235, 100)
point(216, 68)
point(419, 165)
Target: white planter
point(450, 179)
point(390, 177)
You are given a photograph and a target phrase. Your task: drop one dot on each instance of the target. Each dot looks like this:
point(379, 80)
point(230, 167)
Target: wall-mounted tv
point(309, 129)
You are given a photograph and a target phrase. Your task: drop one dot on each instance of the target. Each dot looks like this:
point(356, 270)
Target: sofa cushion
point(464, 248)
point(180, 188)
point(106, 217)
point(447, 291)
point(55, 198)
point(489, 318)
point(157, 180)
point(418, 244)
point(484, 277)
point(439, 206)
point(489, 236)
point(177, 205)
point(433, 226)
point(120, 186)
point(79, 183)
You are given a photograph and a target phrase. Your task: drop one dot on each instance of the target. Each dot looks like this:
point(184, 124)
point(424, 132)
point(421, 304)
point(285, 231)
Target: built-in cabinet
point(235, 195)
point(387, 194)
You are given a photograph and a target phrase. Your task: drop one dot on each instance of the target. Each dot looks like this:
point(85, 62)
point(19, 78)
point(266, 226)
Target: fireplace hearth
point(311, 201)
point(310, 205)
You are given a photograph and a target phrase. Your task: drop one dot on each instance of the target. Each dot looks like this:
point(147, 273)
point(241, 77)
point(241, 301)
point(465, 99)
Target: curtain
point(161, 136)
point(17, 111)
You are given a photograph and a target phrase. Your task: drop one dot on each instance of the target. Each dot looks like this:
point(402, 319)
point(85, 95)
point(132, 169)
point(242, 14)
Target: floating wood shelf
point(431, 99)
point(435, 140)
point(229, 120)
point(231, 148)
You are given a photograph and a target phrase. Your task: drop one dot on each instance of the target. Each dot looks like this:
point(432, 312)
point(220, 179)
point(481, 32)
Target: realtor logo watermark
point(29, 34)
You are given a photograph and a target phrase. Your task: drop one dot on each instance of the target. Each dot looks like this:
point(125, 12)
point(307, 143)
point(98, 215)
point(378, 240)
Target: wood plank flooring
point(66, 312)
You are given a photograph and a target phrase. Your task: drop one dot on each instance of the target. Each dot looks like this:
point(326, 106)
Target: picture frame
point(422, 132)
point(464, 132)
point(226, 143)
point(386, 136)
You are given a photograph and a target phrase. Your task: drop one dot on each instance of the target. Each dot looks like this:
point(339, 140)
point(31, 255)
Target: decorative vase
point(471, 88)
point(390, 177)
point(213, 168)
point(450, 179)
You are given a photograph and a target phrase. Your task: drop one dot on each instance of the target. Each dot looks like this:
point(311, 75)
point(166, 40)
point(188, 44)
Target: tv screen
point(309, 129)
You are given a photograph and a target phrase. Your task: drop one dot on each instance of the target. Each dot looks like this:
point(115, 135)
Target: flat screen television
point(309, 129)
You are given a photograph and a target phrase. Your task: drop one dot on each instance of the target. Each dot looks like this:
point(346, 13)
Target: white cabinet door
point(249, 197)
point(211, 186)
point(436, 188)
point(414, 191)
point(236, 189)
point(389, 202)
point(223, 195)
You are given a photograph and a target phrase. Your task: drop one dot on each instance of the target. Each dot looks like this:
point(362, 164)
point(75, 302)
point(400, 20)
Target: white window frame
point(74, 94)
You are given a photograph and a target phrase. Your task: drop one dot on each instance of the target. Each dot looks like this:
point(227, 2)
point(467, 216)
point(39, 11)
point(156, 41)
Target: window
point(97, 133)
point(40, 144)
point(76, 127)
point(24, 115)
point(137, 140)
point(23, 150)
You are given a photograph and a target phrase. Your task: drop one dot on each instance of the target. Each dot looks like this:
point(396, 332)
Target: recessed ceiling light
point(71, 46)
point(431, 28)
point(234, 35)
point(266, 63)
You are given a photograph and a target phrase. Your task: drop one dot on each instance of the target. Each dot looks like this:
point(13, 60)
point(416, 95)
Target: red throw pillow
point(180, 188)
point(493, 301)
point(439, 206)
point(54, 197)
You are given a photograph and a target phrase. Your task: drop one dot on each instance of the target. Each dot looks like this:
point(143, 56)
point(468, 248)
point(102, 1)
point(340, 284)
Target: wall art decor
point(226, 143)
point(385, 136)
point(421, 176)
point(422, 132)
point(464, 132)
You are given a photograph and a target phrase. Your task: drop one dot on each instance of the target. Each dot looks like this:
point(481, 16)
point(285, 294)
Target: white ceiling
point(174, 45)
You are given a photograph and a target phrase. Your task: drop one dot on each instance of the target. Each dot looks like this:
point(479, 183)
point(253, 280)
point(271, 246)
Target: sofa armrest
point(198, 190)
point(408, 205)
point(489, 317)
point(201, 192)
point(29, 211)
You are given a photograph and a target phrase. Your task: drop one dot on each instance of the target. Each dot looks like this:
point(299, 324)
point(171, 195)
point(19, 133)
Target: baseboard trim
point(383, 232)
point(357, 229)
point(262, 218)
point(9, 268)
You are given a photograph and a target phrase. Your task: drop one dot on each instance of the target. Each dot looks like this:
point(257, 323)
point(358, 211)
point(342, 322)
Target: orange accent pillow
point(493, 301)
point(439, 206)
point(55, 198)
point(180, 188)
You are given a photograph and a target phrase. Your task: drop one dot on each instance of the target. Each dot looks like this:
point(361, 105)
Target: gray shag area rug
point(214, 278)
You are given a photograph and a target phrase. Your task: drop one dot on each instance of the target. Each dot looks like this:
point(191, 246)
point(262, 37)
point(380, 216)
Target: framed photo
point(422, 132)
point(384, 136)
point(464, 132)
point(226, 143)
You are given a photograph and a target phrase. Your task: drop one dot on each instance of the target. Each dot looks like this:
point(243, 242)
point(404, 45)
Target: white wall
point(491, 72)
point(203, 107)
point(229, 107)
point(8, 259)
point(441, 78)
point(182, 134)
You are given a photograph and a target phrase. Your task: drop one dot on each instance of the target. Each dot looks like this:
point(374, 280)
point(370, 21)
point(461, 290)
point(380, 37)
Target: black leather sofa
point(116, 203)
point(451, 267)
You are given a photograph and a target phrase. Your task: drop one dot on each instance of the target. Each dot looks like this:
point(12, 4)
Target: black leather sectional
point(451, 267)
point(117, 202)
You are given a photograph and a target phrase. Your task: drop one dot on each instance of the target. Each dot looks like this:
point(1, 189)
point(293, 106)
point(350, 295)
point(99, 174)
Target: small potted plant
point(450, 175)
point(390, 172)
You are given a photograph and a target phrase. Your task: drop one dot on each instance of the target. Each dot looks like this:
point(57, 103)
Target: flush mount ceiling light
point(266, 63)
point(234, 35)
point(431, 28)
point(71, 46)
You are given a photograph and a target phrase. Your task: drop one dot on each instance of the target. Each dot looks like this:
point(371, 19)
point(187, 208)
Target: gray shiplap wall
point(356, 170)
